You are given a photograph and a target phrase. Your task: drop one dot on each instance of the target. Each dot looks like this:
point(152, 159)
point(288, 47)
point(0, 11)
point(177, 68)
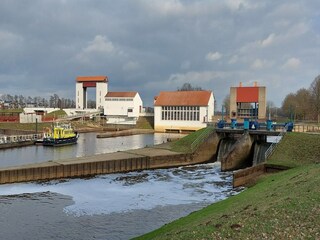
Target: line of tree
point(189, 87)
point(304, 104)
point(20, 101)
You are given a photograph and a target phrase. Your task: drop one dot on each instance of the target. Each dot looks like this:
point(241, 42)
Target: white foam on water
point(136, 190)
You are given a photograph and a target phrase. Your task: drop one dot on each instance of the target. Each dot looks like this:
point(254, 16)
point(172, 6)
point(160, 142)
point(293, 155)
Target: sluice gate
point(240, 148)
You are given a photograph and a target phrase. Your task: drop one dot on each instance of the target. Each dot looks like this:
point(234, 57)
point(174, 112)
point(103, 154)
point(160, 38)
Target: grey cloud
point(151, 46)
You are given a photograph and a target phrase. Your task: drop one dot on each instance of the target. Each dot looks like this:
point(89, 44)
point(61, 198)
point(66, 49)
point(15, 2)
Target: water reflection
point(87, 145)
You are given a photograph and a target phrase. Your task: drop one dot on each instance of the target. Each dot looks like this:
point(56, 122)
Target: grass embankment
point(189, 142)
point(285, 205)
point(145, 123)
point(15, 110)
point(24, 126)
point(56, 113)
point(297, 149)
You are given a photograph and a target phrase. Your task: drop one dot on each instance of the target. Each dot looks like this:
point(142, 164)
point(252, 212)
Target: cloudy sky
point(157, 45)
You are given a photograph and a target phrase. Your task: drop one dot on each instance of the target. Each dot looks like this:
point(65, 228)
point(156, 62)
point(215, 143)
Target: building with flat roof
point(123, 105)
point(183, 110)
point(248, 102)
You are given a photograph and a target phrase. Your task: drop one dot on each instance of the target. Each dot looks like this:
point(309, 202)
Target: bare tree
point(315, 97)
point(189, 87)
point(226, 104)
point(289, 105)
point(303, 107)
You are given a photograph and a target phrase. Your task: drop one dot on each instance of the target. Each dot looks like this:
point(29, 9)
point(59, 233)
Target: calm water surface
point(87, 145)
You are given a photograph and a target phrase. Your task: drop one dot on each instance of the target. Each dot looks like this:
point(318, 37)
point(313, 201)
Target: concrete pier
point(12, 141)
point(127, 132)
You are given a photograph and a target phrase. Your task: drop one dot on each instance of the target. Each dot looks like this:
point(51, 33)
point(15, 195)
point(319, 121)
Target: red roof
point(248, 94)
point(92, 79)
point(121, 94)
point(183, 98)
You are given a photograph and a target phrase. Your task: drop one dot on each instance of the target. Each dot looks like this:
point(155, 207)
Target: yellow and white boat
point(61, 134)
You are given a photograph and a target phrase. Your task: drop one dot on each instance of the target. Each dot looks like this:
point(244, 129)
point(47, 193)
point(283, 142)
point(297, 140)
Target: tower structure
point(248, 102)
point(84, 82)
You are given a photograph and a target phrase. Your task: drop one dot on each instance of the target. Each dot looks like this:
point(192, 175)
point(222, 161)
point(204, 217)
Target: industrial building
point(248, 102)
point(183, 110)
point(122, 106)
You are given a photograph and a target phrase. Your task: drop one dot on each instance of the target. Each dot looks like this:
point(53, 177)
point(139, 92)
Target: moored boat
point(60, 135)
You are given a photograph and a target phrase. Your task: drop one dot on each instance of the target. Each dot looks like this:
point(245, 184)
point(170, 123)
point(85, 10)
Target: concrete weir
point(239, 153)
point(125, 161)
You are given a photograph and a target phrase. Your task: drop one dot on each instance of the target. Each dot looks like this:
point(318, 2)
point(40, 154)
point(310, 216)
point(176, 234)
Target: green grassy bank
point(297, 149)
point(285, 205)
point(24, 126)
point(191, 141)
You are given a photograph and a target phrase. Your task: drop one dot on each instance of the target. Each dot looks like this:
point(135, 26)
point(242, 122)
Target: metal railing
point(20, 138)
point(79, 115)
point(273, 146)
point(201, 138)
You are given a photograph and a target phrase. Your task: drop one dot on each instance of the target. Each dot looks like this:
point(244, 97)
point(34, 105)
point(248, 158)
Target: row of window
point(119, 99)
point(180, 108)
point(181, 113)
point(247, 112)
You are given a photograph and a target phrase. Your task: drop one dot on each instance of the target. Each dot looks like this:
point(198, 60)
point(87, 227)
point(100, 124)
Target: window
point(180, 113)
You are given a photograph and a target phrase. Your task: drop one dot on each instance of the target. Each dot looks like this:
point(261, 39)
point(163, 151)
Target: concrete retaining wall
point(117, 127)
point(124, 133)
point(16, 144)
point(52, 170)
point(56, 171)
point(248, 175)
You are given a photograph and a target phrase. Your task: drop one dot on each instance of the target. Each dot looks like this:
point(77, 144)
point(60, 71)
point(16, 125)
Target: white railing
point(79, 115)
point(20, 138)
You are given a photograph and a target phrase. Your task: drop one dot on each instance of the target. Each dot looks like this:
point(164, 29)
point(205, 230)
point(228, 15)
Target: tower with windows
point(248, 102)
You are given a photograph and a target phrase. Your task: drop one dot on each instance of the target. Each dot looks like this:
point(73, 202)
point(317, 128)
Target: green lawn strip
point(280, 206)
point(297, 149)
point(145, 123)
point(24, 126)
point(56, 113)
point(15, 110)
point(184, 144)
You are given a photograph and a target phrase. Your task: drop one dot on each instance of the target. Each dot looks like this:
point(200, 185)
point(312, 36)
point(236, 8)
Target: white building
point(122, 106)
point(183, 110)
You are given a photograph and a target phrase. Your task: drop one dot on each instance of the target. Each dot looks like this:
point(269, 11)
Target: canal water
point(87, 145)
point(113, 206)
